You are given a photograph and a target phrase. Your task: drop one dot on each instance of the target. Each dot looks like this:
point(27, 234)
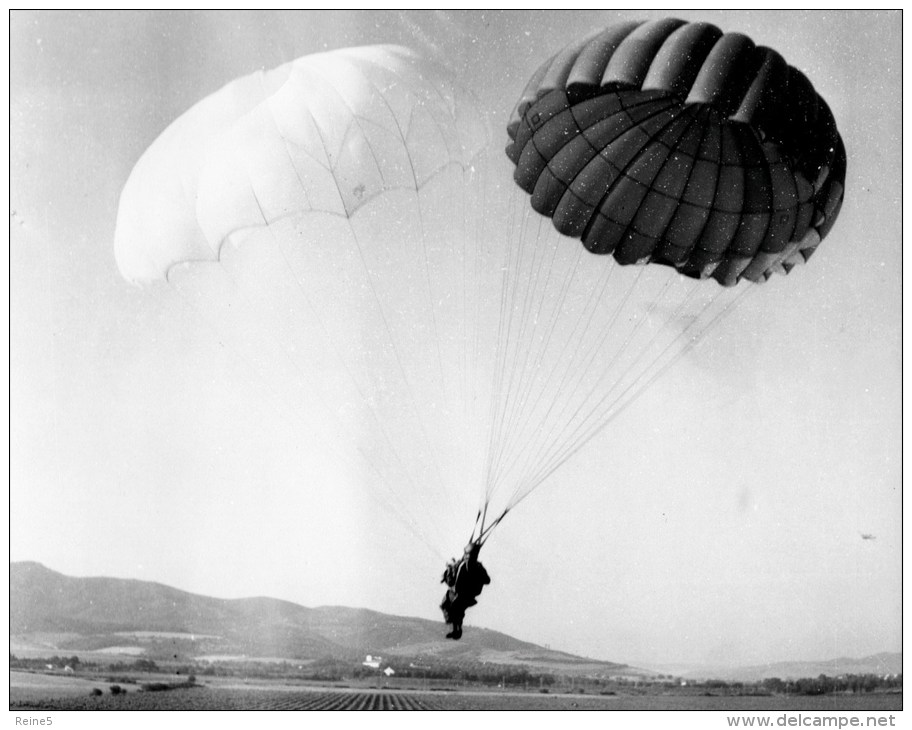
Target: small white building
point(372, 661)
point(389, 671)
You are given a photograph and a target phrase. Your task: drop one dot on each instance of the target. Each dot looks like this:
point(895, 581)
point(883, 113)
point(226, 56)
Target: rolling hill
point(879, 664)
point(139, 618)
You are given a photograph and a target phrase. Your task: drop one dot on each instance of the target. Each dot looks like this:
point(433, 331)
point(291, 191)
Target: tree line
point(466, 672)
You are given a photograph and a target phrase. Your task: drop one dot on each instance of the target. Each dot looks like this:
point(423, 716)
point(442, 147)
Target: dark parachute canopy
point(674, 143)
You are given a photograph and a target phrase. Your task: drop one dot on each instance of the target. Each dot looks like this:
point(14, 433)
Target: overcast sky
point(720, 520)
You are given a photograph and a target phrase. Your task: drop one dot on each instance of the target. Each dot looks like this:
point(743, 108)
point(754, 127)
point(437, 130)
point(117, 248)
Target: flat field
point(48, 692)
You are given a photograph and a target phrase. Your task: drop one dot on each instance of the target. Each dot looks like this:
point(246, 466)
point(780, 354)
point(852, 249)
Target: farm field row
point(205, 698)
point(200, 698)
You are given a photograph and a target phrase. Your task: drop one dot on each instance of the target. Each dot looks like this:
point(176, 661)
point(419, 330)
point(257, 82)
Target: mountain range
point(64, 615)
point(51, 613)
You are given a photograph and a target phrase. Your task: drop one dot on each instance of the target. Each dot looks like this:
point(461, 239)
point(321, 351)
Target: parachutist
point(465, 580)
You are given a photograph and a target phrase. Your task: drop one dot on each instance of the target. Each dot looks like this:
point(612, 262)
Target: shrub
point(155, 687)
point(96, 692)
point(116, 689)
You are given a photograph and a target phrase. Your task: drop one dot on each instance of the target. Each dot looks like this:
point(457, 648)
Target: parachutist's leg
point(457, 614)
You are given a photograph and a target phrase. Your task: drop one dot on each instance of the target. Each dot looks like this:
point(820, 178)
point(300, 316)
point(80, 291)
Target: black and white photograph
point(455, 360)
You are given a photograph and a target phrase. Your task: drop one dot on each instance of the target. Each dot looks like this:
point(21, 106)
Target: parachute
point(673, 143)
point(345, 226)
point(311, 217)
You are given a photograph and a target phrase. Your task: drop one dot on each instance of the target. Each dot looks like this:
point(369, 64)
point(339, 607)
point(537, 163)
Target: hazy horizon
point(674, 668)
point(746, 510)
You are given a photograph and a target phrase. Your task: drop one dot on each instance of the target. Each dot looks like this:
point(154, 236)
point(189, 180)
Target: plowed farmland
point(32, 691)
point(201, 698)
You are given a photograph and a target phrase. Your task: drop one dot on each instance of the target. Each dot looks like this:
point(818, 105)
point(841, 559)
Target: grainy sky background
point(718, 521)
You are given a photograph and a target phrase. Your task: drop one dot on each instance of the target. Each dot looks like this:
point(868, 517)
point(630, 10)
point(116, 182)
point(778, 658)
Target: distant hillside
point(879, 664)
point(154, 620)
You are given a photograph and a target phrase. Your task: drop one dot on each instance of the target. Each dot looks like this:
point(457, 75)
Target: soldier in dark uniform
point(465, 581)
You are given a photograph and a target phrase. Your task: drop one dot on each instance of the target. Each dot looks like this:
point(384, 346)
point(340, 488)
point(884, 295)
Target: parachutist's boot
point(457, 633)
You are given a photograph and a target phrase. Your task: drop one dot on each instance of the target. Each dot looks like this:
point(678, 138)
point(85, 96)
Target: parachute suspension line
point(485, 532)
point(445, 136)
point(480, 532)
point(581, 340)
point(430, 288)
point(514, 322)
point(403, 139)
point(519, 427)
point(471, 267)
point(480, 237)
point(396, 508)
point(475, 526)
point(414, 404)
point(523, 346)
point(479, 526)
point(508, 276)
point(596, 350)
point(446, 387)
point(435, 462)
point(477, 195)
point(495, 379)
point(531, 396)
point(478, 223)
point(464, 370)
point(468, 427)
point(377, 421)
point(398, 356)
point(508, 401)
point(512, 391)
point(518, 396)
point(690, 341)
point(380, 309)
point(582, 337)
point(543, 396)
point(572, 424)
point(480, 227)
point(577, 367)
point(635, 389)
point(608, 330)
